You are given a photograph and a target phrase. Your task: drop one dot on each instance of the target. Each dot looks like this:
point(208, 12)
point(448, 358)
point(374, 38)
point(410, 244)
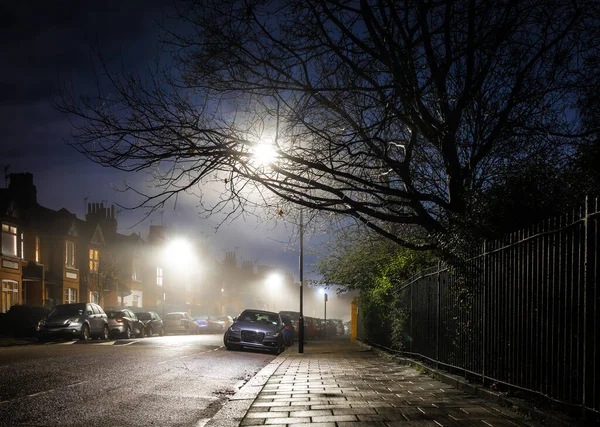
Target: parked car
point(347, 327)
point(79, 320)
point(256, 329)
point(209, 324)
point(180, 322)
point(289, 331)
point(124, 323)
point(152, 323)
point(294, 315)
point(226, 321)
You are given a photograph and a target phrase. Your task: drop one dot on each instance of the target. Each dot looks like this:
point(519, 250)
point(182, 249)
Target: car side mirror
point(234, 319)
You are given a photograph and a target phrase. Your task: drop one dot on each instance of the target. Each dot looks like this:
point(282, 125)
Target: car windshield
point(174, 316)
point(257, 316)
point(67, 310)
point(144, 316)
point(114, 314)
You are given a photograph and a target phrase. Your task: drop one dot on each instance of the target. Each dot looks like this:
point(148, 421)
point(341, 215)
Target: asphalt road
point(158, 381)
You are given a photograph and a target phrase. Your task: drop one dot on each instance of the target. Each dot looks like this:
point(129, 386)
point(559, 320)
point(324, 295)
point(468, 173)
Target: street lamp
point(325, 313)
point(264, 154)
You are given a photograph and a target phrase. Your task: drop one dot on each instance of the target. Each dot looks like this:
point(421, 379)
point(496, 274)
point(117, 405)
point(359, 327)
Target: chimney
point(22, 189)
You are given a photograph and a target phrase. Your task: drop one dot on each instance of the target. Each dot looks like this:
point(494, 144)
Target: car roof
point(258, 310)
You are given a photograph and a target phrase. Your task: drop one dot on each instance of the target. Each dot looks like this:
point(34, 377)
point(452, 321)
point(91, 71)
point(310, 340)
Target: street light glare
point(274, 280)
point(180, 252)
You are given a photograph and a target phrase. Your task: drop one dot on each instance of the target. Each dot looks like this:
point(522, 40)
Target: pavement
point(335, 383)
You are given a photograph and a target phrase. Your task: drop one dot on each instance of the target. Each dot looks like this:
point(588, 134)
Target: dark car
point(289, 331)
point(256, 329)
point(125, 323)
point(79, 320)
point(152, 323)
point(209, 324)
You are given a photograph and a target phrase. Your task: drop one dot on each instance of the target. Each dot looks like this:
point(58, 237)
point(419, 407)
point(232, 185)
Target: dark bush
point(21, 320)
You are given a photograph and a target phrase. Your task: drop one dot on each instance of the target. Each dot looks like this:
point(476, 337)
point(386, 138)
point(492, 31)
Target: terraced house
point(52, 257)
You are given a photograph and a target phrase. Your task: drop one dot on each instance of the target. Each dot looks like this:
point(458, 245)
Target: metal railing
point(522, 313)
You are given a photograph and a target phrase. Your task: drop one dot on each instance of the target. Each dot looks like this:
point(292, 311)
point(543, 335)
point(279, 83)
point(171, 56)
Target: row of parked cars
point(89, 320)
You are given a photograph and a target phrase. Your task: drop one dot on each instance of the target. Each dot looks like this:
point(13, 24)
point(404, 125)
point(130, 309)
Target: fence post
point(589, 283)
point(437, 323)
point(484, 317)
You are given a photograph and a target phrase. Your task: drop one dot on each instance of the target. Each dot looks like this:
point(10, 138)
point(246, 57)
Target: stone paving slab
point(339, 384)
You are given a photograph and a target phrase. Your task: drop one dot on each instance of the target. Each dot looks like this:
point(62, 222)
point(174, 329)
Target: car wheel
point(105, 336)
point(127, 333)
point(161, 332)
point(149, 332)
point(141, 334)
point(85, 333)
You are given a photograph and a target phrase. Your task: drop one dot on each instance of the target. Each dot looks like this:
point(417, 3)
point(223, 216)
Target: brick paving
point(339, 384)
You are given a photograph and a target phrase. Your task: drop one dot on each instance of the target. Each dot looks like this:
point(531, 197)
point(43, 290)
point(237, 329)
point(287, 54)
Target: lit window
point(94, 261)
point(9, 240)
point(70, 254)
point(10, 295)
point(136, 300)
point(37, 248)
point(70, 295)
point(159, 276)
point(135, 272)
point(95, 297)
point(22, 247)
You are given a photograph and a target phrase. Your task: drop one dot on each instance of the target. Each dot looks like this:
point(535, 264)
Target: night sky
point(45, 43)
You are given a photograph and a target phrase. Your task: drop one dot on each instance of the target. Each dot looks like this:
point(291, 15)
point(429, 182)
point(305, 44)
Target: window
point(70, 295)
point(135, 273)
point(10, 295)
point(95, 297)
point(136, 300)
point(70, 254)
point(94, 261)
point(95, 309)
point(159, 276)
point(9, 240)
point(22, 247)
point(37, 248)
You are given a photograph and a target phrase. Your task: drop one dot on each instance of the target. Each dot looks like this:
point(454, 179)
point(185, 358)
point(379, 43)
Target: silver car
point(256, 329)
point(125, 323)
point(79, 320)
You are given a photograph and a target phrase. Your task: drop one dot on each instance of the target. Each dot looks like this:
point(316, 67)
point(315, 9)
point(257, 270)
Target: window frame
point(94, 260)
point(11, 231)
point(70, 244)
point(70, 296)
point(14, 297)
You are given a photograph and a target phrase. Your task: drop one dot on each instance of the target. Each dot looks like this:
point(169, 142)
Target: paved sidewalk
point(339, 384)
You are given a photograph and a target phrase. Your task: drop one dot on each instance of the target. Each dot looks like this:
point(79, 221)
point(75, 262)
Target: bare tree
point(396, 113)
point(105, 279)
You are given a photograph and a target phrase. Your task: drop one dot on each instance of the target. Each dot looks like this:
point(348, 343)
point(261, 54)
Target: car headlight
point(41, 324)
point(234, 329)
point(73, 320)
point(272, 334)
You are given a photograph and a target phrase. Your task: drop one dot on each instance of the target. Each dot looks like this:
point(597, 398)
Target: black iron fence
point(523, 313)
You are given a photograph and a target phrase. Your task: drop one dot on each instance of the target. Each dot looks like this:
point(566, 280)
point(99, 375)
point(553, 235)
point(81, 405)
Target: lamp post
point(325, 314)
point(301, 318)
